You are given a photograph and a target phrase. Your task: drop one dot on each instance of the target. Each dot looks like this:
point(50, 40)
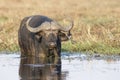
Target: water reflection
point(35, 68)
point(69, 67)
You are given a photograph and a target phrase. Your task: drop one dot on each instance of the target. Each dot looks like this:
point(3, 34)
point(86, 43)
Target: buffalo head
point(41, 36)
point(50, 32)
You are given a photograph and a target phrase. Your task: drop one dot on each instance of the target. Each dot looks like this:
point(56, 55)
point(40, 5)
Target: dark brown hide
point(41, 36)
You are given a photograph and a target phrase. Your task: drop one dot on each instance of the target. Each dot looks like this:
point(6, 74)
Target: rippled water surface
point(69, 67)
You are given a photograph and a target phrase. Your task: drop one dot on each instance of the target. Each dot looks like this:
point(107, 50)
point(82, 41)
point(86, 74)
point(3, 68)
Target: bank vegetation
point(96, 22)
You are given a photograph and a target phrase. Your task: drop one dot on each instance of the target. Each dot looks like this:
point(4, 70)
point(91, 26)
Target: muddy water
point(69, 67)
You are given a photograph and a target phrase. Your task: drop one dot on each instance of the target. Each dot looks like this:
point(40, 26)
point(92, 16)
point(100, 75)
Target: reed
point(96, 22)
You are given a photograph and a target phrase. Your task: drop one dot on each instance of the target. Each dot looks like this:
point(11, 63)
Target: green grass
point(3, 19)
point(89, 47)
point(96, 23)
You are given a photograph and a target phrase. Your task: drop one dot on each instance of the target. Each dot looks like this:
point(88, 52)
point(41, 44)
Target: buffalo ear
point(63, 36)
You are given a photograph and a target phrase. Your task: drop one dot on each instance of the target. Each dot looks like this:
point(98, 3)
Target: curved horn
point(37, 29)
point(66, 29)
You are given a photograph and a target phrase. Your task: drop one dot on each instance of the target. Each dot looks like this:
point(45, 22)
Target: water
point(69, 67)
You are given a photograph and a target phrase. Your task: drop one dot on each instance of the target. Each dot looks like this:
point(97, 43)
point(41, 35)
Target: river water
point(70, 67)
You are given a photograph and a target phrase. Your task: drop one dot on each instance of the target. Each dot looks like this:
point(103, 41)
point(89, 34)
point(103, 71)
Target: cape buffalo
point(41, 36)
